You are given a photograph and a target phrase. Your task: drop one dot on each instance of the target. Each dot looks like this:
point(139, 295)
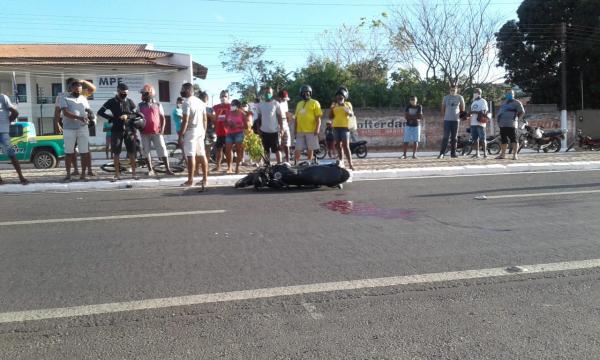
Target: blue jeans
point(450, 133)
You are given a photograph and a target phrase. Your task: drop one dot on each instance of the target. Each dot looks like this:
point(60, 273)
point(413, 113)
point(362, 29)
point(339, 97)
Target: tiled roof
point(79, 51)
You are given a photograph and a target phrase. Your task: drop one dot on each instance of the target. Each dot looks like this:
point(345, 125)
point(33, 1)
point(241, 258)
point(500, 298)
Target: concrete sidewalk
point(376, 166)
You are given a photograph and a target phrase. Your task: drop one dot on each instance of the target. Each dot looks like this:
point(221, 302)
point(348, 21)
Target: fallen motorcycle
point(305, 174)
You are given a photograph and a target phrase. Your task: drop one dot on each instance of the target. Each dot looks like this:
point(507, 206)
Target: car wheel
point(44, 159)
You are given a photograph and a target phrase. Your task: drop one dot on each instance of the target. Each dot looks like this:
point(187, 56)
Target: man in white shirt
point(479, 110)
point(271, 123)
point(192, 132)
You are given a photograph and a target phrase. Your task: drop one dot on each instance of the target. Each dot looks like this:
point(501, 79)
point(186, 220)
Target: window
point(22, 90)
point(163, 91)
point(56, 89)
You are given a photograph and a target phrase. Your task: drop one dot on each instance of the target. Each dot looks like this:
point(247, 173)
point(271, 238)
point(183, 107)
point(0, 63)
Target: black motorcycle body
point(304, 175)
point(358, 148)
point(536, 138)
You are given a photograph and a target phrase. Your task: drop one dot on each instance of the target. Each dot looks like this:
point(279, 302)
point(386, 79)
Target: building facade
point(40, 71)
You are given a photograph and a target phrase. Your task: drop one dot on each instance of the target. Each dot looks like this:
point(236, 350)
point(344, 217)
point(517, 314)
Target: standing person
point(210, 127)
point(340, 112)
point(75, 129)
point(106, 128)
point(237, 122)
point(511, 111)
point(192, 132)
point(220, 112)
point(153, 131)
point(479, 109)
point(286, 139)
point(412, 131)
point(307, 123)
point(8, 114)
point(176, 114)
point(122, 109)
point(87, 90)
point(452, 105)
point(271, 123)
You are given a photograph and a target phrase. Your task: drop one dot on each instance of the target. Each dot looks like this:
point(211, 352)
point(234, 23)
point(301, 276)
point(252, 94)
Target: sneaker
point(151, 173)
point(403, 157)
point(440, 156)
point(454, 156)
point(75, 173)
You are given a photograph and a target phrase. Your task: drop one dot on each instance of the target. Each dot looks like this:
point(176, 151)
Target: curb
point(360, 175)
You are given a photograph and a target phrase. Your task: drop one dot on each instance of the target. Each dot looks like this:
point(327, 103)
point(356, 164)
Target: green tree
point(324, 77)
point(530, 50)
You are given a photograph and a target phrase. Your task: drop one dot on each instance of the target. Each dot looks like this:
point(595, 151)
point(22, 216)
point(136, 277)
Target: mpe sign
point(109, 83)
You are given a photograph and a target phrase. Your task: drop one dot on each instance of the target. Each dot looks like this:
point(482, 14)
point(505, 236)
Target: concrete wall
point(384, 128)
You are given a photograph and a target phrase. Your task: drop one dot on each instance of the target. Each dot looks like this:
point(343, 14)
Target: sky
point(287, 28)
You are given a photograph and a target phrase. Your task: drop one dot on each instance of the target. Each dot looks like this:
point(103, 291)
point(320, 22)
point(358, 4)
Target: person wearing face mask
point(307, 123)
point(220, 115)
point(511, 111)
point(271, 123)
point(452, 105)
point(237, 122)
point(87, 90)
point(153, 131)
point(75, 128)
point(121, 109)
point(479, 110)
point(412, 131)
point(340, 113)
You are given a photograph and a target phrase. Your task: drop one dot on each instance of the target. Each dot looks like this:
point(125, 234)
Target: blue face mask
point(268, 96)
point(509, 97)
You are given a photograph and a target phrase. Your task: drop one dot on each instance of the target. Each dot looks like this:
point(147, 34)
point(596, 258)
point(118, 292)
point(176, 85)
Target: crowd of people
point(225, 125)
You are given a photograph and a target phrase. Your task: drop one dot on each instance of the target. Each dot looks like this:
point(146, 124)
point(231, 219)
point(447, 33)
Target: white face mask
point(476, 96)
point(234, 108)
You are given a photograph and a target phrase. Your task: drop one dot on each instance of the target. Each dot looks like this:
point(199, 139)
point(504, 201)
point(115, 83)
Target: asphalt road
point(269, 239)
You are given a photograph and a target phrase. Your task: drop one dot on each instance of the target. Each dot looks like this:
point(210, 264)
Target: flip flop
point(186, 184)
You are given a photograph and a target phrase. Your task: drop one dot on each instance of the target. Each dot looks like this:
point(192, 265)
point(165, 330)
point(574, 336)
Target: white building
point(41, 71)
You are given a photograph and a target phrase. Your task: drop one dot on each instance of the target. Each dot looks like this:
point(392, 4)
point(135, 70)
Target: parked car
point(44, 152)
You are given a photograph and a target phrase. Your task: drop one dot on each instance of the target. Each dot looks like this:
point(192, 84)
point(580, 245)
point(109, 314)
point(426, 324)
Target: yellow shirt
point(341, 119)
point(307, 113)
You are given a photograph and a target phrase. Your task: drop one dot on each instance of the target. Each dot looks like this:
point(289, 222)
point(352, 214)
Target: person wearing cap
point(121, 109)
point(340, 112)
point(286, 138)
point(479, 110)
point(153, 131)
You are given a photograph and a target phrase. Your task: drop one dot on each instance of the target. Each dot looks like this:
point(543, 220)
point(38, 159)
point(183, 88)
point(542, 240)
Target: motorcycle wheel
point(467, 150)
point(361, 151)
point(110, 167)
point(553, 147)
point(322, 152)
point(245, 181)
point(493, 148)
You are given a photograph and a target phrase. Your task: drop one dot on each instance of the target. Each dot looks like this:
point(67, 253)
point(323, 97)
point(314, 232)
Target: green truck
point(44, 152)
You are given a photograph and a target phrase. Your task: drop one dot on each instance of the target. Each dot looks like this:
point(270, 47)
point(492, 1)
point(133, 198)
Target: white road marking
point(557, 193)
point(85, 310)
point(94, 218)
point(312, 311)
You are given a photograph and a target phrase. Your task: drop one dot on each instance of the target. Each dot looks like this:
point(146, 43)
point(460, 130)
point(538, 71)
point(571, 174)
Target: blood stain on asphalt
point(347, 207)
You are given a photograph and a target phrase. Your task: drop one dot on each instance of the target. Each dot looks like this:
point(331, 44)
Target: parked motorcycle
point(536, 138)
point(305, 174)
point(585, 142)
point(358, 148)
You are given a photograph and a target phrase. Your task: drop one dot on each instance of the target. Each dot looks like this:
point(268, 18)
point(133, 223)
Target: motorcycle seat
point(552, 133)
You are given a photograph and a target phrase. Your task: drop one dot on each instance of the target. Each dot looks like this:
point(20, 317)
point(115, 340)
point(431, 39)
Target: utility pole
point(563, 64)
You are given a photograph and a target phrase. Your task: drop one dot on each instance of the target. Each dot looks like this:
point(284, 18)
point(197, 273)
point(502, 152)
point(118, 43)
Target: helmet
point(342, 90)
point(137, 122)
point(305, 88)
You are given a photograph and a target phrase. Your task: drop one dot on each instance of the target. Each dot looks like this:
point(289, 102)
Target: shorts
point(193, 144)
point(308, 141)
point(286, 139)
point(5, 145)
point(341, 134)
point(508, 133)
point(235, 138)
point(117, 139)
point(220, 141)
point(477, 133)
point(158, 141)
point(412, 134)
point(270, 141)
point(81, 137)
